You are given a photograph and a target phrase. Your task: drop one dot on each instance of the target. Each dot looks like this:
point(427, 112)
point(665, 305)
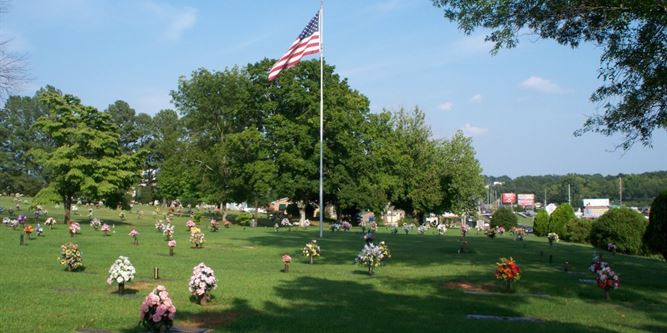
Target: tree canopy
point(632, 34)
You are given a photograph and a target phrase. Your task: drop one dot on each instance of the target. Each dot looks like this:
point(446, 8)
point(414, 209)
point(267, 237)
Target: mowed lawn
point(425, 286)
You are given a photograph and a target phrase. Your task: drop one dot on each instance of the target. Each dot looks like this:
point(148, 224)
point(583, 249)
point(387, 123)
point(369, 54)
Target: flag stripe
point(307, 43)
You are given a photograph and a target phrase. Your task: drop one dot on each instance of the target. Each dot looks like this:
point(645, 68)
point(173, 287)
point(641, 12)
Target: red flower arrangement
point(508, 270)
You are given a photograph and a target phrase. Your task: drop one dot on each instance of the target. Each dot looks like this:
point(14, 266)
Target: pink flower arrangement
point(105, 229)
point(171, 243)
point(190, 224)
point(134, 233)
point(50, 222)
point(202, 282)
point(611, 247)
point(215, 225)
point(286, 259)
point(157, 311)
point(74, 228)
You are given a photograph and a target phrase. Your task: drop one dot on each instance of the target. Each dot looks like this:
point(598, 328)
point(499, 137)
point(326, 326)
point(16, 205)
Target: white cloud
point(476, 99)
point(542, 85)
point(470, 130)
point(446, 106)
point(473, 45)
point(175, 20)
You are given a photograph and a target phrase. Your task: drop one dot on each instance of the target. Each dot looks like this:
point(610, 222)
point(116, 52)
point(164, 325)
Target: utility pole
point(545, 198)
point(569, 195)
point(620, 191)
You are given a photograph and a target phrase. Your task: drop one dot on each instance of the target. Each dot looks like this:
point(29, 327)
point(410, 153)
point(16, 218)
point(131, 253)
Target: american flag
point(307, 43)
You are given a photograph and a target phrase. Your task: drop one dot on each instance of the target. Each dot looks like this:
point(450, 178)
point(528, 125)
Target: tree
point(13, 72)
point(88, 159)
point(504, 217)
point(655, 236)
point(462, 180)
point(541, 223)
point(18, 171)
point(633, 35)
point(560, 218)
point(622, 226)
point(134, 129)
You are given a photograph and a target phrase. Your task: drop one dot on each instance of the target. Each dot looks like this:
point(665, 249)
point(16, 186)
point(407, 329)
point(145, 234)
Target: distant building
point(279, 205)
point(594, 208)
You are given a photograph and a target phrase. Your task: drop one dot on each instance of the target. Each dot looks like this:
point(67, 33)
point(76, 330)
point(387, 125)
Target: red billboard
point(508, 198)
point(527, 200)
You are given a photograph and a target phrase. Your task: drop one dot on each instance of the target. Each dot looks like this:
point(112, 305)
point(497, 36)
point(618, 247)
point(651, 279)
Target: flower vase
point(203, 299)
point(286, 269)
point(370, 270)
point(136, 241)
point(551, 243)
point(508, 285)
point(606, 293)
point(171, 251)
point(121, 288)
point(311, 260)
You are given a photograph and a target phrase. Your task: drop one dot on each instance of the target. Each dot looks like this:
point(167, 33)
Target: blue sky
point(521, 106)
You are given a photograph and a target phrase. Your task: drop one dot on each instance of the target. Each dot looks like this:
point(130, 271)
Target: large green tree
point(18, 170)
point(633, 37)
point(88, 159)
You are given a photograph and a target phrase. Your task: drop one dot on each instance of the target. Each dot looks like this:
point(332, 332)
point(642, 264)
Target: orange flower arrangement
point(508, 270)
point(28, 229)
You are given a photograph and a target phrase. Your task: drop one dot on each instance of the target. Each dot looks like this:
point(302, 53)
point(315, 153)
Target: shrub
point(244, 219)
point(621, 226)
point(655, 236)
point(541, 223)
point(578, 231)
point(560, 218)
point(503, 217)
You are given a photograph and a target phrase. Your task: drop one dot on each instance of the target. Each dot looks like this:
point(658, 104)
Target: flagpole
point(321, 27)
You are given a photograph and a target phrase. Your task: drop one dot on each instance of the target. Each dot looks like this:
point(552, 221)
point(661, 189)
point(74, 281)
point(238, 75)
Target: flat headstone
point(578, 273)
point(181, 329)
point(504, 318)
point(92, 330)
point(491, 293)
point(587, 281)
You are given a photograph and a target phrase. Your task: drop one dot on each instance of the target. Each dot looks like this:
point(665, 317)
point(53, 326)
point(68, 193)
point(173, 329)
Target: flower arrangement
point(286, 261)
point(50, 222)
point(134, 233)
point(226, 224)
point(373, 226)
point(286, 223)
point(407, 227)
point(168, 232)
point(519, 233)
point(335, 226)
point(552, 237)
point(608, 280)
point(311, 250)
point(70, 257)
point(611, 247)
point(197, 237)
point(22, 219)
point(159, 226)
point(189, 225)
point(74, 228)
point(490, 232)
point(171, 244)
point(122, 216)
point(370, 256)
point(39, 230)
point(464, 229)
point(28, 229)
point(508, 270)
point(106, 229)
point(214, 226)
point(305, 223)
point(597, 264)
point(422, 229)
point(95, 224)
point(442, 229)
point(346, 226)
point(202, 282)
point(363, 225)
point(157, 311)
point(121, 272)
point(500, 230)
point(384, 248)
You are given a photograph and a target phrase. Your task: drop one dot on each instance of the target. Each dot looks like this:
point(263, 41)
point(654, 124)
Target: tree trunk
point(67, 205)
point(302, 212)
point(256, 217)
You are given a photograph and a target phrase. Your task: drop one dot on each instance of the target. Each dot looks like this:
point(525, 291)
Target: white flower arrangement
point(442, 229)
point(422, 229)
point(121, 271)
point(202, 281)
point(552, 237)
point(370, 256)
point(407, 227)
point(95, 223)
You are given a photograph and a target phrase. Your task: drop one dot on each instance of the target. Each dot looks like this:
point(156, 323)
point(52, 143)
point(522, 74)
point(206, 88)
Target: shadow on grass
point(310, 304)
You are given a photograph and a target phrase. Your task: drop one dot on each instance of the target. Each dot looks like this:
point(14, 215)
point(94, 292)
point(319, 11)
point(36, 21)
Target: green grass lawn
point(419, 290)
